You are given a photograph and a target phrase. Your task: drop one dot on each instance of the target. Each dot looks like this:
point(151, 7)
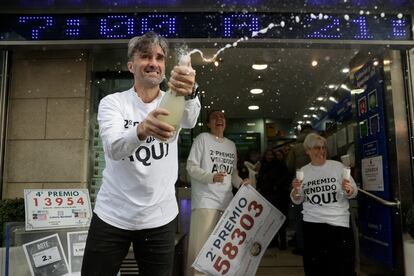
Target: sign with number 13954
point(58, 208)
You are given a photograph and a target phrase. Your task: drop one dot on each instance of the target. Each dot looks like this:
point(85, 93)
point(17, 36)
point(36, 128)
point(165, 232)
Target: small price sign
point(59, 208)
point(78, 249)
point(46, 257)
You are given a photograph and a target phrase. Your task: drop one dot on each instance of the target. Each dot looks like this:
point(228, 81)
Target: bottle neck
point(173, 93)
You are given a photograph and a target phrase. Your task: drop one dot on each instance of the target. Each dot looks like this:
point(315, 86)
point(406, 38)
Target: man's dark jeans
point(107, 246)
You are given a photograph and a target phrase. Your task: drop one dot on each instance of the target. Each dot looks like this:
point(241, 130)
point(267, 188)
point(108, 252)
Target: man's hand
point(151, 126)
point(182, 80)
point(219, 177)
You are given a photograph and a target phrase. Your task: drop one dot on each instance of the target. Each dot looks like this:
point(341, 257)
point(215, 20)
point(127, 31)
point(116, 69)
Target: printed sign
point(46, 257)
point(372, 177)
point(241, 237)
point(370, 149)
point(60, 208)
point(76, 248)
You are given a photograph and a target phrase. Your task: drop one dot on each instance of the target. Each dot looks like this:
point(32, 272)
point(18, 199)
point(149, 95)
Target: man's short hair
point(142, 44)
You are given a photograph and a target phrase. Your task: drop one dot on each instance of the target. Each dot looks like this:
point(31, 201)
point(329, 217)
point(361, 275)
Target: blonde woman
point(325, 193)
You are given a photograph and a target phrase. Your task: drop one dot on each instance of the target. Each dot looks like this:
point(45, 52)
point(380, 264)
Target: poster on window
point(241, 237)
point(46, 257)
point(372, 177)
point(76, 248)
point(57, 208)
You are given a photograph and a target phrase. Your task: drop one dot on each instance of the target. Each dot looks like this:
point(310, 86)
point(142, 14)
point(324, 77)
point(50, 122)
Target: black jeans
point(107, 246)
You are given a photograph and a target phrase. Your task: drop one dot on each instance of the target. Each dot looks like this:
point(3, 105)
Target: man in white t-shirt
point(136, 203)
point(212, 166)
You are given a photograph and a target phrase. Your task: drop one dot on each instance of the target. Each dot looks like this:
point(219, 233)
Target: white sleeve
point(235, 178)
point(355, 188)
point(191, 112)
point(194, 163)
point(118, 142)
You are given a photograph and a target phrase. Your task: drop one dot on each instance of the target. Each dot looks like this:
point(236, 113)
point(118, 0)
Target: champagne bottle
point(173, 102)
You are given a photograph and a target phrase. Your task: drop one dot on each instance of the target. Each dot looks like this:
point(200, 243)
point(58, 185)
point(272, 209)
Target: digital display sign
point(221, 5)
point(14, 27)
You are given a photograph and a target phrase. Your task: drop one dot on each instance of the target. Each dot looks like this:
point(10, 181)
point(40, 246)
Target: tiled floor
point(280, 262)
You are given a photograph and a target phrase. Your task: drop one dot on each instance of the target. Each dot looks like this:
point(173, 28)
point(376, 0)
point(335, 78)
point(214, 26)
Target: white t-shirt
point(323, 199)
point(137, 189)
point(208, 156)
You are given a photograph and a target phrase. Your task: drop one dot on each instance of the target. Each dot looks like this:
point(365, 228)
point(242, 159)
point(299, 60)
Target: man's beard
point(154, 81)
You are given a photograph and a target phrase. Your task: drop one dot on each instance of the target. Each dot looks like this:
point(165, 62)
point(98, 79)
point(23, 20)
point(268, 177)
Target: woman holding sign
point(212, 166)
point(325, 187)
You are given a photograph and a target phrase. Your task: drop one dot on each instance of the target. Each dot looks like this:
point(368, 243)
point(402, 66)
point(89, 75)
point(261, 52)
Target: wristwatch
point(194, 94)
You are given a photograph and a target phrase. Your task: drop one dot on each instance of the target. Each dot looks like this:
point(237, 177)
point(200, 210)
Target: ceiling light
point(345, 70)
point(253, 107)
point(332, 99)
point(306, 116)
point(256, 91)
point(323, 109)
point(376, 63)
point(312, 108)
point(251, 124)
point(343, 86)
point(357, 90)
point(314, 63)
point(315, 116)
point(332, 86)
point(259, 66)
point(300, 122)
point(320, 99)
point(308, 122)
point(216, 63)
point(387, 61)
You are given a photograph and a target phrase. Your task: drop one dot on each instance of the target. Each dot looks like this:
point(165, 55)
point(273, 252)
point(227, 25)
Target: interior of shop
point(268, 93)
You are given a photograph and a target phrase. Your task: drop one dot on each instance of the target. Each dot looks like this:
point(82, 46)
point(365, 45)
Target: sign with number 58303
point(58, 208)
point(240, 238)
